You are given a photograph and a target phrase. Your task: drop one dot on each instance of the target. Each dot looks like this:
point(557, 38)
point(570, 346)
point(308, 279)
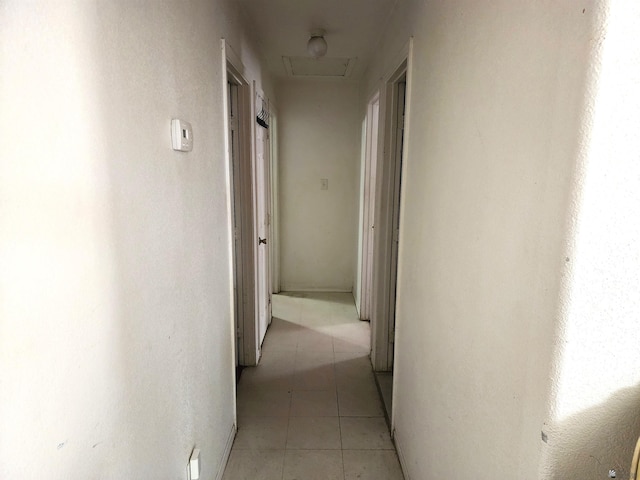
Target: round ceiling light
point(317, 45)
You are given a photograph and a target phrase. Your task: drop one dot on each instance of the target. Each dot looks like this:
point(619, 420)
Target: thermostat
point(181, 135)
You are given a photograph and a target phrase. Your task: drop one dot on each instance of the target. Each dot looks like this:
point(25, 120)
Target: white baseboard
point(403, 462)
point(227, 452)
point(300, 288)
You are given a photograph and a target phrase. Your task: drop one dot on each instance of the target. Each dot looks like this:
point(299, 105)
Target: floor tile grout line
point(290, 390)
point(284, 459)
point(335, 381)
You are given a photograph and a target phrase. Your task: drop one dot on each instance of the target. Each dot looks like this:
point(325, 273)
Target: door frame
point(382, 311)
point(240, 187)
point(275, 217)
point(368, 199)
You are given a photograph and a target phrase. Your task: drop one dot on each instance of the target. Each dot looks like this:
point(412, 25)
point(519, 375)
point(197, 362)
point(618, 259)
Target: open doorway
point(241, 186)
point(249, 169)
point(367, 219)
point(387, 226)
point(388, 184)
point(274, 219)
point(397, 143)
point(263, 214)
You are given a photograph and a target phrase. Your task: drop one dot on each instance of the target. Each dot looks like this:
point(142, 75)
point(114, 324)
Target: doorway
point(387, 221)
point(248, 150)
point(242, 212)
point(367, 220)
point(274, 219)
point(398, 124)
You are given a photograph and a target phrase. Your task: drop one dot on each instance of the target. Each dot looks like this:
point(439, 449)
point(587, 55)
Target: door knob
point(262, 240)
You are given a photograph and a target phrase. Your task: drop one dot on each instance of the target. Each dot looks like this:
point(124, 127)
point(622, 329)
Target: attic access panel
point(318, 67)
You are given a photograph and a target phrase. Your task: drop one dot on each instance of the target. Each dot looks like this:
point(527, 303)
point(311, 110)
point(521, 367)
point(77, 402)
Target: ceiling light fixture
point(317, 45)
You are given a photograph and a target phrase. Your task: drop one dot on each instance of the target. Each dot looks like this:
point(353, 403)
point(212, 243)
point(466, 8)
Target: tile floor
point(311, 409)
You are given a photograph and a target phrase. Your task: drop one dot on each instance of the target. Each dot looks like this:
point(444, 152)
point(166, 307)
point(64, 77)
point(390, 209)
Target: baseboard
point(298, 288)
point(400, 452)
point(227, 452)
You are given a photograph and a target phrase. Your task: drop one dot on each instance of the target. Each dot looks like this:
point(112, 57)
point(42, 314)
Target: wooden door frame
point(243, 302)
point(381, 309)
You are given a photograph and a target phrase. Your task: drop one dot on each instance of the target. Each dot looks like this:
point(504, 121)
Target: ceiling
point(352, 30)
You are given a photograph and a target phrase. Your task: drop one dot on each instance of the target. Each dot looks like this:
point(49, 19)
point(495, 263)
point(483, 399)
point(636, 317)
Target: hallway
point(311, 409)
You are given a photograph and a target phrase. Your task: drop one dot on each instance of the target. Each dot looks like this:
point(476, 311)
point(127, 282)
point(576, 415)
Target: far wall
point(318, 139)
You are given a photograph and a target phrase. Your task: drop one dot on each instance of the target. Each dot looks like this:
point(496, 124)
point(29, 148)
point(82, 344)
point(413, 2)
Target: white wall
point(319, 134)
point(497, 126)
point(594, 418)
point(115, 303)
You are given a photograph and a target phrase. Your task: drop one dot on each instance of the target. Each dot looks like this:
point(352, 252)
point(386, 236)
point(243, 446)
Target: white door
point(395, 224)
point(263, 201)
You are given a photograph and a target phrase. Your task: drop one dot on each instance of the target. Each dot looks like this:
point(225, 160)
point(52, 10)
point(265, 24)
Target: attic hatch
point(318, 67)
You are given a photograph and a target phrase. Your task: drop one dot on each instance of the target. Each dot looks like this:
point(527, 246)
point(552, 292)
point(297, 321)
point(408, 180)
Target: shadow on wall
point(595, 434)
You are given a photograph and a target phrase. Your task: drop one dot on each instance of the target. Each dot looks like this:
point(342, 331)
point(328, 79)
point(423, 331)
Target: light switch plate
point(194, 465)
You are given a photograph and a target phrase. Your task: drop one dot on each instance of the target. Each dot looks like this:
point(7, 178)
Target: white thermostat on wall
point(181, 135)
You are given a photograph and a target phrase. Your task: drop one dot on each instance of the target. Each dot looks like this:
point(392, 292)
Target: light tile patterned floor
point(311, 409)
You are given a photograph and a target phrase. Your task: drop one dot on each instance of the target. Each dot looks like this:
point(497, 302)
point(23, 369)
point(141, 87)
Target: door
point(263, 202)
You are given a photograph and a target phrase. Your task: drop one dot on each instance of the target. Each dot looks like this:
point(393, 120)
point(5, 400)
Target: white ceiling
point(282, 28)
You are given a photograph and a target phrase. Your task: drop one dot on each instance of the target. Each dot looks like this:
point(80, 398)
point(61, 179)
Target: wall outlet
point(324, 184)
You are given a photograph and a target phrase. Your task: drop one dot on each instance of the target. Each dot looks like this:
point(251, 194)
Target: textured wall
point(493, 331)
point(115, 322)
point(594, 418)
point(319, 138)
